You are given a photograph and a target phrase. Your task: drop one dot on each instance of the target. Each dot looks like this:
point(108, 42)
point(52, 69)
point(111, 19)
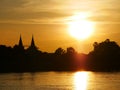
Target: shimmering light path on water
point(80, 80)
point(60, 81)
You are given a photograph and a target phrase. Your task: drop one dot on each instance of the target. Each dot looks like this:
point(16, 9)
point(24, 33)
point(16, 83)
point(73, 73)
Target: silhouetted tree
point(106, 56)
point(71, 50)
point(60, 51)
point(95, 45)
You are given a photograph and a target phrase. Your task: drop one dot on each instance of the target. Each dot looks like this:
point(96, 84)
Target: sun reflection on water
point(81, 80)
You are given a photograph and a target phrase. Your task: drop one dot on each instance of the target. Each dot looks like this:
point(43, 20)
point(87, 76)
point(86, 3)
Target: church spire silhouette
point(19, 47)
point(32, 48)
point(20, 42)
point(33, 42)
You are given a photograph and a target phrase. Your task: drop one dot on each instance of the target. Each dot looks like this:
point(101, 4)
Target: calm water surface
point(60, 81)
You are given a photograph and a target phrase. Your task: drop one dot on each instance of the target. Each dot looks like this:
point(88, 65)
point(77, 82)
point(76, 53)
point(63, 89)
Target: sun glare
point(81, 80)
point(80, 27)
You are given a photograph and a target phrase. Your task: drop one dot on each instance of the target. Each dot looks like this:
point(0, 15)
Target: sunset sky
point(49, 22)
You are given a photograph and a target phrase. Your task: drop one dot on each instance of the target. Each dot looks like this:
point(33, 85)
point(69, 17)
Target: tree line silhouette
point(104, 57)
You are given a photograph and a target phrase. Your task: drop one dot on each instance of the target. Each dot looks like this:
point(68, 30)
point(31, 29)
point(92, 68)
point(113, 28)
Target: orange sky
point(46, 20)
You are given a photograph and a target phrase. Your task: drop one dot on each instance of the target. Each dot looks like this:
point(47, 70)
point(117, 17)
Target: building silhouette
point(19, 47)
point(32, 48)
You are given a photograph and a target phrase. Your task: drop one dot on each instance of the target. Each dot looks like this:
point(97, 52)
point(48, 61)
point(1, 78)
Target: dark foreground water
point(60, 81)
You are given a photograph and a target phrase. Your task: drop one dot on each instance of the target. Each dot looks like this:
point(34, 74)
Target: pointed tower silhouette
point(20, 42)
point(19, 47)
point(32, 48)
point(32, 43)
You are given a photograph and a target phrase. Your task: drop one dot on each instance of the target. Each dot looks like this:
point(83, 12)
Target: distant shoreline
point(105, 57)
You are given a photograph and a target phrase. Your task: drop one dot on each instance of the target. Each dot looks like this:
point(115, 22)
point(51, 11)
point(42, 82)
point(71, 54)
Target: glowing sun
point(80, 27)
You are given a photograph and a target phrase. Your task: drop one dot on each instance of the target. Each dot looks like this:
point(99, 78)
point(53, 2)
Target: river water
point(60, 81)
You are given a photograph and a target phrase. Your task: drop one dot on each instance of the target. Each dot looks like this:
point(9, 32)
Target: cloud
point(33, 17)
point(8, 5)
point(29, 11)
point(39, 11)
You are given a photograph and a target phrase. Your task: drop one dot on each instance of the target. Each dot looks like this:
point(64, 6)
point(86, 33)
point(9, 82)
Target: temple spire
point(32, 49)
point(32, 42)
point(20, 42)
